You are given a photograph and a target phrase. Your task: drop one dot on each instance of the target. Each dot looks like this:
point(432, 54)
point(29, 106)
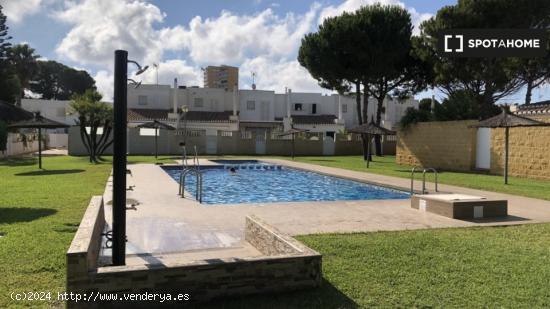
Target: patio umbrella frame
point(38, 122)
point(156, 125)
point(507, 120)
point(293, 131)
point(370, 129)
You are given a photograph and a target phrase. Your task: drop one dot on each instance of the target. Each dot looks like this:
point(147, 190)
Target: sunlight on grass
point(476, 267)
point(386, 166)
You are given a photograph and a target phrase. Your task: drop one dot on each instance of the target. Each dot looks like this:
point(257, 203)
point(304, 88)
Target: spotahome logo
point(524, 43)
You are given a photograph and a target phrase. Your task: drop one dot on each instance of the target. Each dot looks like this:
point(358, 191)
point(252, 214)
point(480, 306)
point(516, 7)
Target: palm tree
point(23, 58)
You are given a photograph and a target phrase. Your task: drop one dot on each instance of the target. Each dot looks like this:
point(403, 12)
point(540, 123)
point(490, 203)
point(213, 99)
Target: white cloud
point(353, 5)
point(276, 75)
point(232, 39)
point(102, 26)
point(264, 42)
point(32, 95)
point(16, 10)
point(170, 69)
point(104, 82)
point(167, 71)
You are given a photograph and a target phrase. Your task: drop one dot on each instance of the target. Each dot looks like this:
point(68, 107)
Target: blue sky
point(259, 36)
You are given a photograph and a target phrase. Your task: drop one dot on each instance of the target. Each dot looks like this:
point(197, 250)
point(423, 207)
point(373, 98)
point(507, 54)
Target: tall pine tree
point(9, 83)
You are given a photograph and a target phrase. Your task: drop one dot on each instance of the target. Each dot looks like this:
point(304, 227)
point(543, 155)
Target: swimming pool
point(265, 183)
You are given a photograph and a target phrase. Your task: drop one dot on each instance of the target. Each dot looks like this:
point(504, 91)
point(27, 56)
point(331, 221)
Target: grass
point(386, 166)
point(499, 267)
point(475, 267)
point(39, 214)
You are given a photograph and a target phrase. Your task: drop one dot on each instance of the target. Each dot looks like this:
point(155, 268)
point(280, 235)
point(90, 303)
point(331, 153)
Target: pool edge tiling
point(262, 183)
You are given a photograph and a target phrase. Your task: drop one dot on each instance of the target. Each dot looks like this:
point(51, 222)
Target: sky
point(181, 36)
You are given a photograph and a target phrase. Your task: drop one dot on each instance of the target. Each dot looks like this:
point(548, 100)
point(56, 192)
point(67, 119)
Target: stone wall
point(529, 153)
point(289, 265)
point(452, 146)
point(270, 241)
point(83, 253)
point(448, 145)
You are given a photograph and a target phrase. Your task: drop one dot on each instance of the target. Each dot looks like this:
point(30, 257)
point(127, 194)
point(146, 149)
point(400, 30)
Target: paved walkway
point(54, 152)
point(164, 222)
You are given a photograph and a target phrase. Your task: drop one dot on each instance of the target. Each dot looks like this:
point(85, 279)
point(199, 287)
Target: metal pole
point(185, 128)
point(119, 158)
point(368, 149)
point(507, 133)
point(156, 143)
point(40, 148)
point(292, 146)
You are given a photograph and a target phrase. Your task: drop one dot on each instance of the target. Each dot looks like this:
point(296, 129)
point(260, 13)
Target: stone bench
point(460, 206)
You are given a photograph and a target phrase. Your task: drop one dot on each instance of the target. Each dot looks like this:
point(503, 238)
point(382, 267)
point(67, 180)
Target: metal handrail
point(424, 178)
point(182, 177)
point(184, 159)
point(198, 175)
point(412, 178)
point(424, 170)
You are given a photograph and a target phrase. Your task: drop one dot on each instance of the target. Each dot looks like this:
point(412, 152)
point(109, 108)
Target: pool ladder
point(424, 170)
point(193, 170)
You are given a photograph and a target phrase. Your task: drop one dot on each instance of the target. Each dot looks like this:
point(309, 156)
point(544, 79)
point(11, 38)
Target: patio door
point(260, 141)
point(328, 144)
point(483, 148)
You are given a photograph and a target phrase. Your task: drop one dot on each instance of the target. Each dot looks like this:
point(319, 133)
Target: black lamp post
point(119, 154)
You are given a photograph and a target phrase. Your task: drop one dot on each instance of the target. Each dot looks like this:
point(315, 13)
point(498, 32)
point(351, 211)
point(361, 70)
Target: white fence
point(20, 144)
point(58, 140)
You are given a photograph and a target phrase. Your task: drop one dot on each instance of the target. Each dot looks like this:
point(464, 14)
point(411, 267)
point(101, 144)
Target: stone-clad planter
point(286, 264)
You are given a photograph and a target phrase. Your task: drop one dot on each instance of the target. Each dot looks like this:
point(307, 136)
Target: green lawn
point(386, 166)
point(476, 267)
point(502, 267)
point(39, 214)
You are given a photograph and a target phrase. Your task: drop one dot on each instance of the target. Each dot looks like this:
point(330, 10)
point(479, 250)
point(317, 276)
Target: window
point(298, 106)
point(250, 105)
point(314, 108)
point(198, 102)
point(344, 108)
point(142, 100)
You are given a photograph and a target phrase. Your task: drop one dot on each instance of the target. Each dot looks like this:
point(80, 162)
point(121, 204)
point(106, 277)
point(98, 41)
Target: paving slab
point(163, 222)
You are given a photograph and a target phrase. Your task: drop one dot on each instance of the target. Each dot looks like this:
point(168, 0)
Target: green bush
point(413, 115)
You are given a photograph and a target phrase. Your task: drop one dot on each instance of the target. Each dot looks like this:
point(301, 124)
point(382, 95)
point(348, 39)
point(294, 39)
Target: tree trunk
point(359, 116)
point(104, 143)
point(529, 91)
point(366, 154)
point(358, 101)
point(377, 140)
point(486, 105)
point(85, 140)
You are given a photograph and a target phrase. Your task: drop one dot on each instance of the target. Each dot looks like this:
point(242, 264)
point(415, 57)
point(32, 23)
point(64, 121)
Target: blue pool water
point(264, 183)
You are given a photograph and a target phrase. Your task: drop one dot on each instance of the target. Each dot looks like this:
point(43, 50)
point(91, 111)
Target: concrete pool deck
point(162, 222)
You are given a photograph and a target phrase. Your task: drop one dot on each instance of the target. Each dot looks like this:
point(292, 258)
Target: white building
point(55, 110)
point(214, 109)
point(52, 109)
